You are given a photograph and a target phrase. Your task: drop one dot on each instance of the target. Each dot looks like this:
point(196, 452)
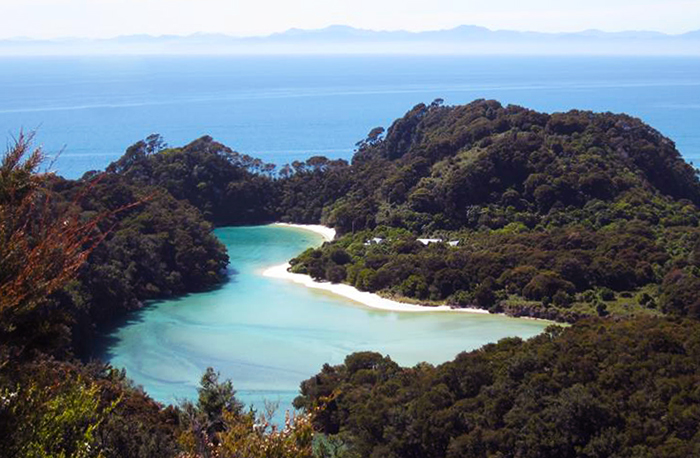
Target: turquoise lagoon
point(268, 334)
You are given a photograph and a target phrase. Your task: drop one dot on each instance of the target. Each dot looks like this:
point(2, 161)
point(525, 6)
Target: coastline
point(367, 299)
point(328, 233)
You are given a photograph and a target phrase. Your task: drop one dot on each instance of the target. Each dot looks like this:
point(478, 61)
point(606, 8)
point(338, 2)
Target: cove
point(267, 334)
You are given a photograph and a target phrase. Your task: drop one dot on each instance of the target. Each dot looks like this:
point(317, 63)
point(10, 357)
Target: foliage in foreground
point(217, 426)
point(40, 252)
point(64, 408)
point(50, 408)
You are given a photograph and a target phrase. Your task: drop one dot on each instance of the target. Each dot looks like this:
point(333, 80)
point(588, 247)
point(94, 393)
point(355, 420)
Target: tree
point(217, 426)
point(484, 294)
point(546, 284)
point(216, 397)
point(50, 418)
point(39, 252)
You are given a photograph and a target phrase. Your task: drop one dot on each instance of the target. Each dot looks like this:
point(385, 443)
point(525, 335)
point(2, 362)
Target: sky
point(109, 18)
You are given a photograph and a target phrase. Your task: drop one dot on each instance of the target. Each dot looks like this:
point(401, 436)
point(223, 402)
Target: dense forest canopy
point(590, 218)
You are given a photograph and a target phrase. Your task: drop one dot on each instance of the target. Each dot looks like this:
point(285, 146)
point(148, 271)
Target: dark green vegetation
point(580, 217)
point(54, 408)
point(557, 216)
point(158, 248)
point(600, 389)
point(49, 407)
point(227, 187)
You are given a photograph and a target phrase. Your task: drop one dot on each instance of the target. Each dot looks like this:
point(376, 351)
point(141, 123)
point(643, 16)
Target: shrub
point(546, 284)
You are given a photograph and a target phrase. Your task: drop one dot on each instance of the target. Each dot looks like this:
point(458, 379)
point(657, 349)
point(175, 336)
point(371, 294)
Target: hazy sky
point(106, 18)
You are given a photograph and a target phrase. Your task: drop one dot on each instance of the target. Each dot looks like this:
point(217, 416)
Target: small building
point(429, 241)
point(453, 242)
point(374, 241)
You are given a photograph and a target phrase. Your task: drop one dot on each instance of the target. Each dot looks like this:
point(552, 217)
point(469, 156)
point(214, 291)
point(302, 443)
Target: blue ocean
point(288, 108)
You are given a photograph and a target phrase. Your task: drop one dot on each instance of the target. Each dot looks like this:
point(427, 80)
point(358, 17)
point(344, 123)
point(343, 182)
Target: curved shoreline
point(328, 233)
point(368, 299)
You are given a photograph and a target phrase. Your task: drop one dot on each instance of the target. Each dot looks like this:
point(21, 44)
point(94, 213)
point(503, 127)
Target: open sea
point(283, 109)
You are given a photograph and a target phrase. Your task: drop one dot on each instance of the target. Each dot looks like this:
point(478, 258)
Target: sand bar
point(327, 233)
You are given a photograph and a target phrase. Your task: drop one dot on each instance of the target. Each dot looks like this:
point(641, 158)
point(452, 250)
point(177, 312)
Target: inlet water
point(268, 335)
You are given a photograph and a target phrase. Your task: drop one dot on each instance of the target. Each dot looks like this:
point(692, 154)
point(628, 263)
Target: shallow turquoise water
point(268, 335)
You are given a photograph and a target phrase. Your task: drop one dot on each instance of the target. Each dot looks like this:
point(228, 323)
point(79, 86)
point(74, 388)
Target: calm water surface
point(268, 335)
point(288, 108)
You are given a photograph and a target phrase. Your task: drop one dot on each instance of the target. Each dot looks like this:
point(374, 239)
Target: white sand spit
point(368, 299)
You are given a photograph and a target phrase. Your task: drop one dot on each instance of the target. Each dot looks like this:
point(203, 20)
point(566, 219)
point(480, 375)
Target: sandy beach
point(368, 299)
point(327, 233)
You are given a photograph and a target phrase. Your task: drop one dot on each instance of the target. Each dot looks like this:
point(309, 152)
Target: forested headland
point(554, 216)
point(587, 218)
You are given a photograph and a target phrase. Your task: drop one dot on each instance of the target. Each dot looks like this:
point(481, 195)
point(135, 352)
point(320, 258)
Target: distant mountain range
point(340, 39)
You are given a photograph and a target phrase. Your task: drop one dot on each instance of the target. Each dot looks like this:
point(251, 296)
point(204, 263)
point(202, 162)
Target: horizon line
point(345, 26)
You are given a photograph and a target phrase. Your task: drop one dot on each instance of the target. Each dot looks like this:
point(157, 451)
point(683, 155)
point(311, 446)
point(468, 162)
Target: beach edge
point(328, 233)
point(367, 299)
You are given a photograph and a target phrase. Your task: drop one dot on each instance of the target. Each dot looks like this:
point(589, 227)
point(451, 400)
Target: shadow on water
point(107, 339)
